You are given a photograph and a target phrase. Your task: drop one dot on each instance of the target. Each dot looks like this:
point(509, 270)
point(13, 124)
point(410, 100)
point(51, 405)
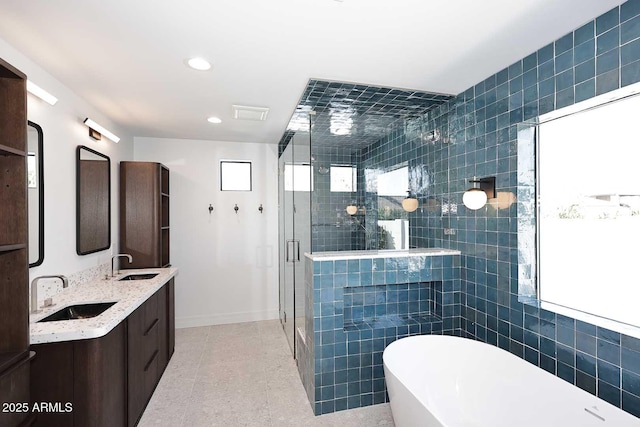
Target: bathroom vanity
point(102, 370)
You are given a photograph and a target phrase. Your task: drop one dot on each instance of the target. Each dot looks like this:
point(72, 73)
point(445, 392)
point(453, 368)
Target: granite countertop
point(128, 296)
point(393, 253)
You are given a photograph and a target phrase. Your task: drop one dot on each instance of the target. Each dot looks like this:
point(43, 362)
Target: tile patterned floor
point(241, 375)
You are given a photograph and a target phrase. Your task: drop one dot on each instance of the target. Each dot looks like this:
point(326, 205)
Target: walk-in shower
point(339, 190)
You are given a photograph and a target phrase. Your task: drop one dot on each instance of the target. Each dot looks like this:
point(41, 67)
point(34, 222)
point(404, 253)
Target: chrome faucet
point(34, 289)
point(113, 258)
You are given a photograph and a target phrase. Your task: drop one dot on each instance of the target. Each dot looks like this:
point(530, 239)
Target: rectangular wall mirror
point(93, 201)
point(35, 189)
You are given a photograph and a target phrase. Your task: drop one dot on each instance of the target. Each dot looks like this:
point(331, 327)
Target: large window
point(588, 185)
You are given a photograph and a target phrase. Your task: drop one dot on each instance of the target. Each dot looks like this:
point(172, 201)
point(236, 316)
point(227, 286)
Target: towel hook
point(210, 208)
point(236, 208)
point(260, 209)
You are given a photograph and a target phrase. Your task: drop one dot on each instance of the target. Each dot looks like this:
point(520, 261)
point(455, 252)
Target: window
point(298, 177)
point(235, 175)
point(588, 187)
point(343, 178)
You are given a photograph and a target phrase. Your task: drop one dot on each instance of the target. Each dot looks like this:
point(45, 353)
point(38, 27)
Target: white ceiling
point(126, 57)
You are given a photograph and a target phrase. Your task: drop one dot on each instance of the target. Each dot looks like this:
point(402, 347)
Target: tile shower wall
point(341, 361)
point(598, 57)
point(332, 228)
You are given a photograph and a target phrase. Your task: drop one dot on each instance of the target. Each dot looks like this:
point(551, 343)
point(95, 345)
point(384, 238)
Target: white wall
point(227, 261)
point(63, 131)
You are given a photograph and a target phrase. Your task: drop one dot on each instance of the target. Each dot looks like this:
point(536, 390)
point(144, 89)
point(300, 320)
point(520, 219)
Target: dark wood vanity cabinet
point(108, 380)
point(144, 213)
point(89, 375)
point(14, 265)
point(151, 339)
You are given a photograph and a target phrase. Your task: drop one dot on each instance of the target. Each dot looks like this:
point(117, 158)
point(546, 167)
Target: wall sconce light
point(96, 131)
point(476, 197)
point(36, 90)
point(352, 209)
point(410, 203)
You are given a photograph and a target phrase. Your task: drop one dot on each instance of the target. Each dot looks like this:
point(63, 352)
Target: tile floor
point(241, 375)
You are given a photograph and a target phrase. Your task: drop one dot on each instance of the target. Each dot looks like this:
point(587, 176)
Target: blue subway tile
point(630, 360)
point(630, 74)
point(584, 52)
point(563, 44)
point(566, 372)
point(585, 71)
point(607, 41)
point(631, 382)
point(607, 61)
point(584, 33)
point(608, 372)
point(630, 30)
point(630, 52)
point(564, 80)
point(631, 404)
point(586, 363)
point(609, 393)
point(607, 82)
point(608, 351)
point(564, 61)
point(586, 382)
point(607, 21)
point(629, 9)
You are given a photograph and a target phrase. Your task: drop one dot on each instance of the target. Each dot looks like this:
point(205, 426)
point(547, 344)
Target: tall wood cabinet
point(14, 264)
point(144, 213)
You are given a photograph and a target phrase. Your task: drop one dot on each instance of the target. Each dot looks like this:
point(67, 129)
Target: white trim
point(623, 328)
point(223, 319)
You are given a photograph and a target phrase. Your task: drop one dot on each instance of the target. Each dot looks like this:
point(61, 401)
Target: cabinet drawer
point(14, 389)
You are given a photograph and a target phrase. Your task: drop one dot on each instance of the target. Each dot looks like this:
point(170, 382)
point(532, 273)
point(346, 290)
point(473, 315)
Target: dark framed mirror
point(35, 190)
point(93, 201)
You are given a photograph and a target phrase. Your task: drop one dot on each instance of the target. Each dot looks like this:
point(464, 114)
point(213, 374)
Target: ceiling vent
point(242, 112)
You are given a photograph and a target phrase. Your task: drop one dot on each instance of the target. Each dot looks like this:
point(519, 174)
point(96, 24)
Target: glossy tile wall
point(482, 122)
point(340, 360)
point(332, 229)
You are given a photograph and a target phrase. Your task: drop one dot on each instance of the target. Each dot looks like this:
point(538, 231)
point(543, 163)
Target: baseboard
point(223, 319)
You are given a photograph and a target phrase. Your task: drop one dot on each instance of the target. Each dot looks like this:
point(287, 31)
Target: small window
point(343, 178)
point(235, 175)
point(298, 177)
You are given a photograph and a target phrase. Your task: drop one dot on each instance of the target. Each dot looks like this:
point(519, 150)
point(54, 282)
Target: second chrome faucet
point(115, 272)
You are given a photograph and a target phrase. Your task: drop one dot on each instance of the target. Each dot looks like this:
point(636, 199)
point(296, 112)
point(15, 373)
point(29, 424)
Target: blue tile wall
point(475, 134)
point(482, 122)
point(341, 362)
point(332, 229)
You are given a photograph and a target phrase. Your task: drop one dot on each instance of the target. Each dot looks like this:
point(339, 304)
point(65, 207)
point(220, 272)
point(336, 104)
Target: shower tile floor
point(241, 375)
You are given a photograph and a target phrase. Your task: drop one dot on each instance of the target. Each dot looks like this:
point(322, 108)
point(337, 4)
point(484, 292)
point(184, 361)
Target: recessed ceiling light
point(214, 120)
point(199, 64)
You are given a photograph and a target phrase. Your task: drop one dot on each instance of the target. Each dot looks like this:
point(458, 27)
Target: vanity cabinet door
point(163, 333)
point(143, 352)
point(81, 383)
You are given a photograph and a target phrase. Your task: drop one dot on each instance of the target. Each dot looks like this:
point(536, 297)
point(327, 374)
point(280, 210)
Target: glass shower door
point(287, 278)
point(295, 233)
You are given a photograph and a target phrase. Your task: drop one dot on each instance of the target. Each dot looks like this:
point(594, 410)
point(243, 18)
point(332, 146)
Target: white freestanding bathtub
point(445, 381)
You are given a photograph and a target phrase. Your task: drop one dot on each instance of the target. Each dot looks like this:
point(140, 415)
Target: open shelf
point(10, 151)
point(15, 247)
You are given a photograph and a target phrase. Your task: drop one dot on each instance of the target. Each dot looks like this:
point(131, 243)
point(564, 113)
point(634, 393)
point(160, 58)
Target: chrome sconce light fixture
point(483, 189)
point(410, 203)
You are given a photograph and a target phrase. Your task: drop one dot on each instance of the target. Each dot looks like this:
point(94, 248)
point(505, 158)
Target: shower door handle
point(297, 243)
point(288, 253)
